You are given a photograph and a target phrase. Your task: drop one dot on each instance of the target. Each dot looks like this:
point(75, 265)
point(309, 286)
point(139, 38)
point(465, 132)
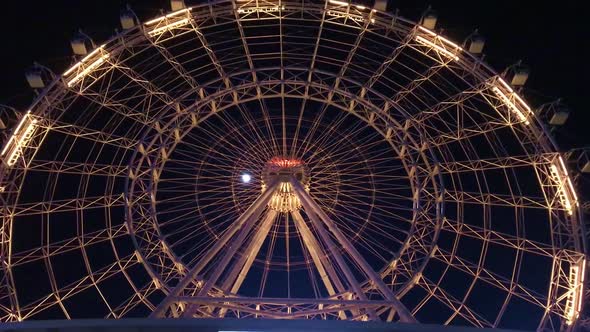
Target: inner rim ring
point(429, 177)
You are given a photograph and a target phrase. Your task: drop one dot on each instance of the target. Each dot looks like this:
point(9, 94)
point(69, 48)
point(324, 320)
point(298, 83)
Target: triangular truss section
point(211, 288)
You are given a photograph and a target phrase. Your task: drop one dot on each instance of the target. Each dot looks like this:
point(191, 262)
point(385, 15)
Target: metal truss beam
point(244, 222)
point(57, 248)
point(238, 273)
point(65, 205)
point(312, 207)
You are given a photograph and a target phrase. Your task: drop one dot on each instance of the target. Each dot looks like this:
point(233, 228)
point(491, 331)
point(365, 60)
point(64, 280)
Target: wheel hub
point(285, 199)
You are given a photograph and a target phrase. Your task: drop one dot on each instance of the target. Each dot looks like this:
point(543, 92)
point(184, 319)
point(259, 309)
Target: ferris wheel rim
point(537, 127)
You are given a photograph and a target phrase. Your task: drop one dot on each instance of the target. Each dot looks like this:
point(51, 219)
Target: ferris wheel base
point(224, 325)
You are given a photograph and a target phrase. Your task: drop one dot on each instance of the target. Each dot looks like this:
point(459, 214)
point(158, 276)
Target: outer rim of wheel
point(537, 129)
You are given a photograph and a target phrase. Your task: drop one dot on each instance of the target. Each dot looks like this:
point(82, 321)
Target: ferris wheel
point(287, 159)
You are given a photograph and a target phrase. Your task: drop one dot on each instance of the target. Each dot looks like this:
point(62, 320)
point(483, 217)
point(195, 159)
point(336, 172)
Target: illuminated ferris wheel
point(287, 160)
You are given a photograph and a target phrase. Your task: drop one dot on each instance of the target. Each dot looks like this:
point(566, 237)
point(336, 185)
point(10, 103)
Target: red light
point(284, 162)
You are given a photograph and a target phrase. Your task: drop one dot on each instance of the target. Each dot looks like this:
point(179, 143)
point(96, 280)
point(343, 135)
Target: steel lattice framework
point(394, 177)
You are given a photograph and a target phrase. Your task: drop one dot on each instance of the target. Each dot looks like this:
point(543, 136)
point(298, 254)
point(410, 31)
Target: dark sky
point(548, 36)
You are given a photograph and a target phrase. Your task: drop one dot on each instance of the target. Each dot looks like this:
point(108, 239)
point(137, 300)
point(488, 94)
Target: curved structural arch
point(287, 159)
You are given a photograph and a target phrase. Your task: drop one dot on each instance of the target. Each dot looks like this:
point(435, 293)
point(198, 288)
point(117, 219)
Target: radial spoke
point(327, 273)
point(255, 208)
point(237, 275)
point(403, 312)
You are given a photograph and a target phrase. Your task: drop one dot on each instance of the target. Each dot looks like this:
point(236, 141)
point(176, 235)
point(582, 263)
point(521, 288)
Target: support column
point(315, 250)
point(349, 276)
point(234, 280)
point(327, 273)
point(312, 208)
point(255, 208)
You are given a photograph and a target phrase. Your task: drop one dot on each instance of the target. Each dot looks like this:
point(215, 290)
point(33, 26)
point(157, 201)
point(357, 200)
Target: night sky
point(547, 36)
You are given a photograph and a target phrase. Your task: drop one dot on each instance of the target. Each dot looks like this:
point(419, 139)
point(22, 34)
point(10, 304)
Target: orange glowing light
point(285, 162)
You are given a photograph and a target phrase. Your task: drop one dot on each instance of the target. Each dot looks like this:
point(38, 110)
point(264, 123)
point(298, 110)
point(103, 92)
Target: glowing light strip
point(19, 138)
point(521, 116)
point(357, 18)
point(561, 192)
point(573, 304)
point(160, 19)
point(339, 3)
point(168, 27)
point(439, 49)
point(427, 31)
point(20, 124)
point(86, 58)
point(354, 17)
point(569, 180)
point(86, 70)
point(250, 10)
point(509, 88)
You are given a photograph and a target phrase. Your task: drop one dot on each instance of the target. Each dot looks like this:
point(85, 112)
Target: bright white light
point(573, 304)
point(160, 19)
point(88, 69)
point(339, 3)
point(19, 139)
point(246, 177)
point(438, 48)
point(167, 27)
point(521, 116)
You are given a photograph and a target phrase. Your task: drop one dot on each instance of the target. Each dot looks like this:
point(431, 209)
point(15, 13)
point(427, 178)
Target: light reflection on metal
point(560, 190)
point(353, 17)
point(511, 99)
point(565, 189)
point(19, 139)
point(249, 10)
point(171, 15)
point(573, 305)
point(339, 3)
point(568, 180)
point(168, 27)
point(285, 199)
point(346, 12)
point(90, 63)
point(171, 22)
point(442, 49)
